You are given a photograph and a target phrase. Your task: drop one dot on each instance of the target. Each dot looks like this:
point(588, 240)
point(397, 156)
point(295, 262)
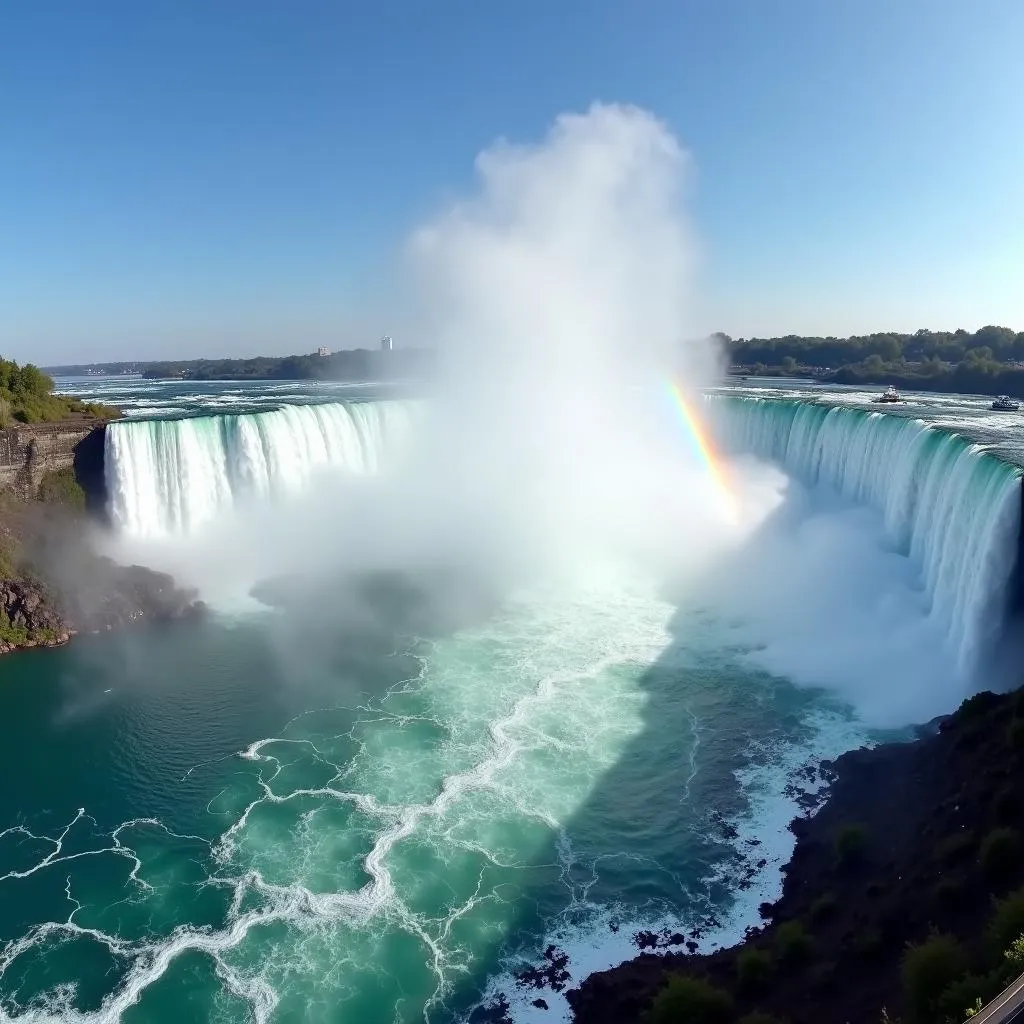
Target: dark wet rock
point(551, 973)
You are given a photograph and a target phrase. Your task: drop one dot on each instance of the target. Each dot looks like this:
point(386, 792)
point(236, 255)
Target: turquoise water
point(380, 798)
point(206, 824)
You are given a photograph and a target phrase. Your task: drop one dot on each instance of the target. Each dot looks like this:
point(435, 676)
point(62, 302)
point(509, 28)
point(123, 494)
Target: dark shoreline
point(900, 849)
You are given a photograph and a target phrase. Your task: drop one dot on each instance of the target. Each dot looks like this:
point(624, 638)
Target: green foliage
point(982, 362)
point(59, 487)
point(823, 907)
point(792, 944)
point(26, 396)
point(1007, 922)
point(754, 968)
point(1015, 955)
point(972, 990)
point(691, 1000)
point(20, 636)
point(928, 970)
point(850, 843)
point(8, 556)
point(1000, 852)
point(10, 634)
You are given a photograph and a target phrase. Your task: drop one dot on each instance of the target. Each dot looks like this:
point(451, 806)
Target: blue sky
point(232, 177)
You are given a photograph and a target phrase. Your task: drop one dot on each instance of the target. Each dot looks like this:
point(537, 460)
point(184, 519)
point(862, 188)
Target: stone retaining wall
point(29, 451)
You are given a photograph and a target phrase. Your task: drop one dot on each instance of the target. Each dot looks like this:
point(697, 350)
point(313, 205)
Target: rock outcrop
point(34, 613)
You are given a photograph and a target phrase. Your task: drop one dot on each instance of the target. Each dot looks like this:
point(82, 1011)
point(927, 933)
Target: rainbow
point(705, 450)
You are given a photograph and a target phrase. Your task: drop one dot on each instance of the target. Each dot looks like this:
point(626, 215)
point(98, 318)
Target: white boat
point(890, 394)
point(1004, 403)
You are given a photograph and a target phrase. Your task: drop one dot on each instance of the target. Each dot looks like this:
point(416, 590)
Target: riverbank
point(903, 895)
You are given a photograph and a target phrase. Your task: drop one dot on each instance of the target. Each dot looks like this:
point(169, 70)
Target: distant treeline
point(350, 364)
point(990, 361)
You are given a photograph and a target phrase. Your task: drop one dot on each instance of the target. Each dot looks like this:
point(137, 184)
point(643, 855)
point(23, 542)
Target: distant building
point(323, 351)
point(385, 343)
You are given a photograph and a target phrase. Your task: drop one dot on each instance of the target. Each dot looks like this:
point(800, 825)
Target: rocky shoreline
point(902, 901)
point(32, 615)
point(918, 846)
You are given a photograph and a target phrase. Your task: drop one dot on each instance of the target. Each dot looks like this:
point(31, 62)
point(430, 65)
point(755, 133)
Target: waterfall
point(171, 476)
point(946, 503)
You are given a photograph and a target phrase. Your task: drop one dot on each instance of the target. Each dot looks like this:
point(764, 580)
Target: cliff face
point(29, 451)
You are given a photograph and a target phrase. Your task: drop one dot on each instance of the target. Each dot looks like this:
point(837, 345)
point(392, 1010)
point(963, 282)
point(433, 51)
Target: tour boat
point(1004, 403)
point(890, 394)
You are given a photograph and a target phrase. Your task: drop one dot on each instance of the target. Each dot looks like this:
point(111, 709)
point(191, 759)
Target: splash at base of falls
point(953, 508)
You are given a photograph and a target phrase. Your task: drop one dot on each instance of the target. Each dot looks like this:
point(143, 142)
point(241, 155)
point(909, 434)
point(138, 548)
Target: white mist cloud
point(557, 295)
point(821, 597)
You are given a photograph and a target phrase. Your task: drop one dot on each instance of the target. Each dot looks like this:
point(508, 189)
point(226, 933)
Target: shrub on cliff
point(8, 551)
point(960, 997)
point(690, 1000)
point(17, 636)
point(927, 971)
point(59, 487)
point(1007, 922)
point(792, 944)
point(850, 843)
point(1000, 853)
point(754, 968)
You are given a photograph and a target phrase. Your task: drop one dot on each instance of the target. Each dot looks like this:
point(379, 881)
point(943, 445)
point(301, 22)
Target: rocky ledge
point(38, 614)
point(54, 584)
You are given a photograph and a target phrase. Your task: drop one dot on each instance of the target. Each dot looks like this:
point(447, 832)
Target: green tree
point(928, 969)
point(691, 1000)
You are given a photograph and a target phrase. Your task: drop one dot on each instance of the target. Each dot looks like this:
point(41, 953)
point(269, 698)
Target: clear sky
point(232, 177)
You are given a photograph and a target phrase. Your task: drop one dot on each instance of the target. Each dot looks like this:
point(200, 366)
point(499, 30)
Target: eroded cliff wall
point(29, 451)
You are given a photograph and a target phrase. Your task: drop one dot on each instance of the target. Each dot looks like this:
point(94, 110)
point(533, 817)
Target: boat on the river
point(1004, 403)
point(890, 394)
